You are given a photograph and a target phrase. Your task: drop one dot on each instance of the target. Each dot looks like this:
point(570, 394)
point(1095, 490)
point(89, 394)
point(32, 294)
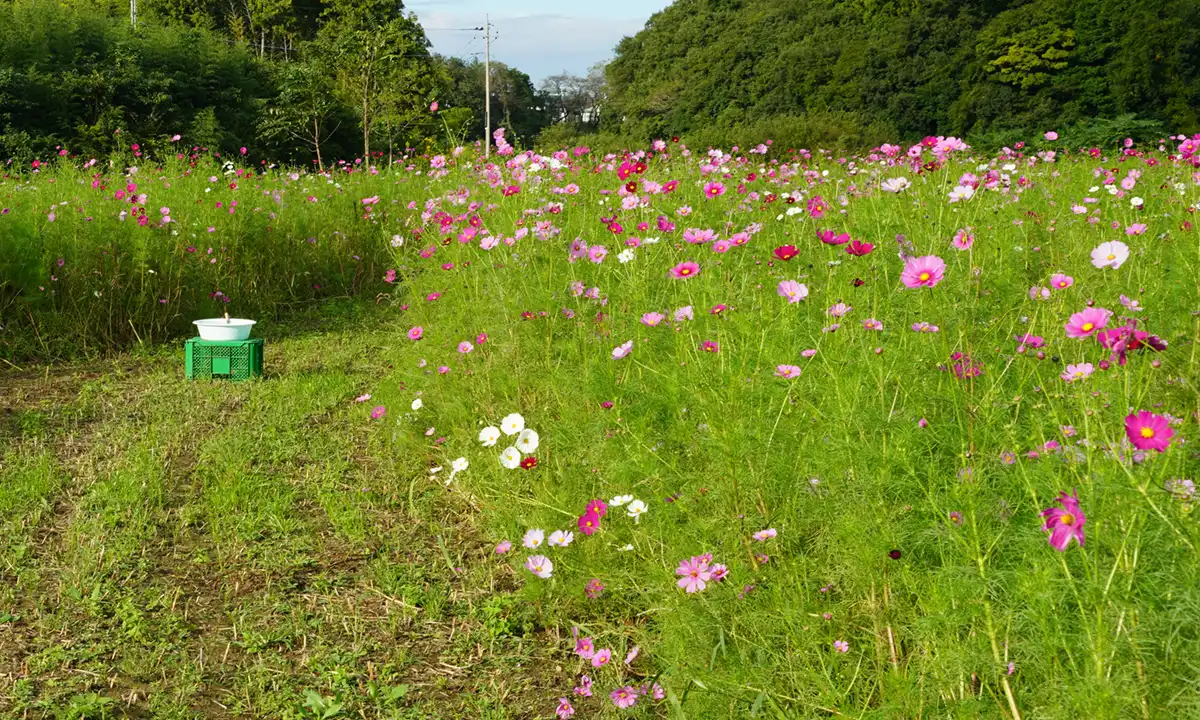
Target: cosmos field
point(751, 432)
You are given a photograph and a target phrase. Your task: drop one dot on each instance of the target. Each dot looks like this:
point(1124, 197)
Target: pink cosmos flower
point(872, 324)
point(838, 310)
point(685, 270)
point(1059, 281)
point(465, 347)
point(599, 507)
point(415, 333)
point(1080, 371)
point(503, 546)
point(1065, 523)
point(963, 239)
point(841, 646)
point(651, 319)
point(378, 411)
point(684, 313)
point(713, 189)
point(1051, 136)
point(585, 686)
point(787, 371)
point(624, 697)
point(631, 655)
point(1087, 323)
point(601, 657)
point(763, 535)
point(622, 350)
point(710, 346)
point(792, 290)
point(564, 710)
point(694, 574)
point(924, 271)
point(585, 648)
point(1148, 431)
point(597, 253)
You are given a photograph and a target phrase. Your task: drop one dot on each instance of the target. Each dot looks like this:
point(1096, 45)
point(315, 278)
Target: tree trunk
point(317, 144)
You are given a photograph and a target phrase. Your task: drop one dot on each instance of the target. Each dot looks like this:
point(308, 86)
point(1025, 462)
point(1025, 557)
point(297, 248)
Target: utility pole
point(133, 13)
point(487, 86)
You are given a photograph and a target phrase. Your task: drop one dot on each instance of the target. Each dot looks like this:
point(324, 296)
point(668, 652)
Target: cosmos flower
point(1111, 254)
point(1079, 371)
point(685, 270)
point(488, 436)
point(694, 574)
point(1087, 323)
point(787, 371)
point(1064, 523)
point(512, 424)
point(1148, 431)
point(539, 565)
point(510, 458)
point(925, 271)
point(622, 350)
point(792, 290)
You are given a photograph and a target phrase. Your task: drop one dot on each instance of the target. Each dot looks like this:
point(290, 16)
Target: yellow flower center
point(1067, 519)
point(923, 276)
point(1112, 257)
point(1062, 283)
point(1087, 327)
point(1147, 432)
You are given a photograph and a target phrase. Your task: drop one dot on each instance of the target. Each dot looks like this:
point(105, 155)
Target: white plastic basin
point(222, 329)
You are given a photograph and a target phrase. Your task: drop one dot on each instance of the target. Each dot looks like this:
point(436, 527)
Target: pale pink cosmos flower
point(684, 313)
point(1111, 254)
point(963, 239)
point(792, 290)
point(597, 253)
point(585, 648)
point(763, 535)
point(631, 655)
point(787, 371)
point(925, 271)
point(808, 353)
point(1078, 371)
point(838, 310)
point(503, 546)
point(872, 324)
point(652, 319)
point(465, 347)
point(622, 350)
point(540, 565)
point(694, 574)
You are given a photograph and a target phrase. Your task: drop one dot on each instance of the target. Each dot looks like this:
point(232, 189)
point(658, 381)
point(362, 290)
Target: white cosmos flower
point(649, 240)
point(625, 255)
point(561, 538)
point(510, 458)
point(459, 465)
point(417, 404)
point(620, 500)
point(1111, 254)
point(527, 441)
point(962, 192)
point(625, 548)
point(512, 424)
point(534, 538)
point(896, 184)
point(1137, 202)
point(488, 436)
point(636, 509)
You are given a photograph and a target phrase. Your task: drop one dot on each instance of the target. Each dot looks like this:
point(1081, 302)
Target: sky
point(538, 37)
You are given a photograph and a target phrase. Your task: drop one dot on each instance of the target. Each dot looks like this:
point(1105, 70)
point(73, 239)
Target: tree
point(380, 57)
point(304, 109)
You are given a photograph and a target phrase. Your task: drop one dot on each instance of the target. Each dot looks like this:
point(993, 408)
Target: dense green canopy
point(882, 69)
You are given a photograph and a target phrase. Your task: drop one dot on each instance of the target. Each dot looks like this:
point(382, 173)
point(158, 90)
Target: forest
point(306, 82)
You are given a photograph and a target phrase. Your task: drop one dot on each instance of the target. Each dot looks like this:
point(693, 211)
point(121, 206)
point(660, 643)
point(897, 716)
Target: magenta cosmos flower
point(694, 574)
point(1065, 523)
point(416, 333)
point(925, 271)
point(685, 270)
point(378, 411)
point(1148, 431)
point(1061, 281)
point(564, 710)
point(1087, 323)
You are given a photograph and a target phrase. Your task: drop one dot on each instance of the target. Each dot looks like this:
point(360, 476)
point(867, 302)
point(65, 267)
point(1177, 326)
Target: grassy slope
point(178, 550)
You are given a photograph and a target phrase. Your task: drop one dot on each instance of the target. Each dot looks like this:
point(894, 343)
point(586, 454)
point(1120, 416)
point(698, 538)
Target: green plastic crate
point(234, 360)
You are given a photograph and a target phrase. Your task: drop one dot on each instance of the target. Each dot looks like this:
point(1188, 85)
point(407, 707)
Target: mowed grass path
point(207, 550)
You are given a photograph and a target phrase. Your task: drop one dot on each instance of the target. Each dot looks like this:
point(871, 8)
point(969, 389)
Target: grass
point(277, 549)
point(183, 550)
